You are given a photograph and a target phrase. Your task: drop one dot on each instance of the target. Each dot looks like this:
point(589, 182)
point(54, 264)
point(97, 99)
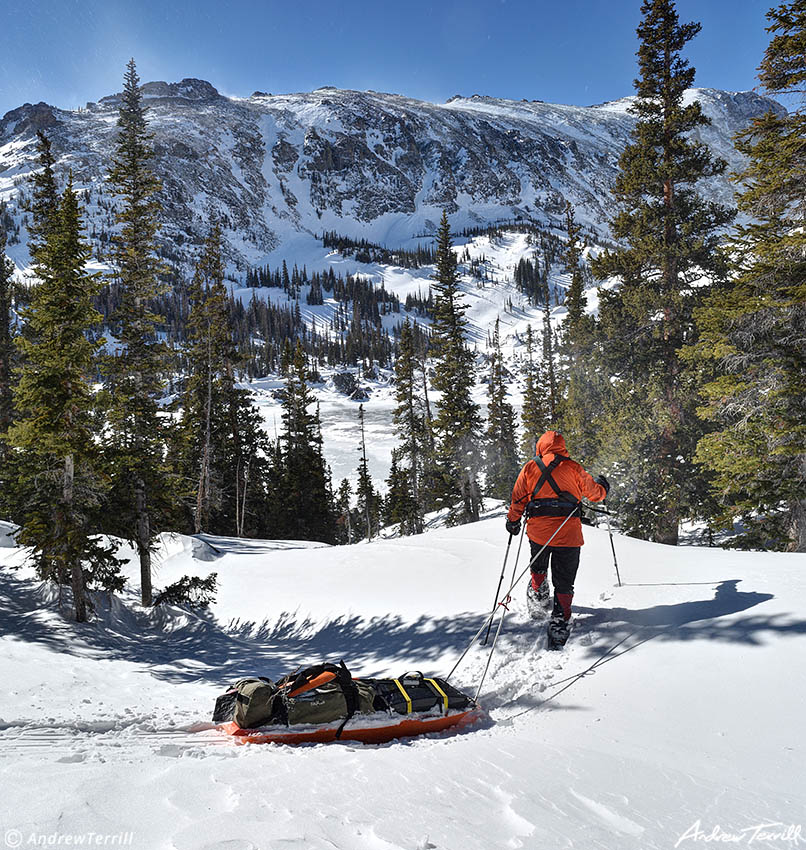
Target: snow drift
point(676, 706)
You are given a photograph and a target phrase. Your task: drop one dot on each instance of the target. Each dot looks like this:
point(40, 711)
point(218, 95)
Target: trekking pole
point(501, 581)
point(612, 545)
point(492, 648)
point(498, 589)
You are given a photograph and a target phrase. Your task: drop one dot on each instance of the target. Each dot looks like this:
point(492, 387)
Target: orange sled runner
point(323, 704)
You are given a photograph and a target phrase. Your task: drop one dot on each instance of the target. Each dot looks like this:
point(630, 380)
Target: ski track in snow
point(673, 701)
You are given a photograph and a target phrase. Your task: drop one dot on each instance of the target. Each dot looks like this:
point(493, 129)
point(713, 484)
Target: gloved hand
point(600, 479)
point(514, 528)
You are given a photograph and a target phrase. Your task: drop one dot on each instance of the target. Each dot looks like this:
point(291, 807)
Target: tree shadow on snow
point(181, 646)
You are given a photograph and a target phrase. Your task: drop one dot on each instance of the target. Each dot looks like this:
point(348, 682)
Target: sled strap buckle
point(405, 695)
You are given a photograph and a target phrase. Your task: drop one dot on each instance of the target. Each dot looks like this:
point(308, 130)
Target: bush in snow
point(193, 591)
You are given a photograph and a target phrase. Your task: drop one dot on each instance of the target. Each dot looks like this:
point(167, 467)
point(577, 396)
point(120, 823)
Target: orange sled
point(407, 727)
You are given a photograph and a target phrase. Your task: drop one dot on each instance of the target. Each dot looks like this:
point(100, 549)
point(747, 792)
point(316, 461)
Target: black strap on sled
point(350, 691)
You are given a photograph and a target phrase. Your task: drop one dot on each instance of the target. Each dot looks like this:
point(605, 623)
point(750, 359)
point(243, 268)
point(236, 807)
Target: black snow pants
point(564, 561)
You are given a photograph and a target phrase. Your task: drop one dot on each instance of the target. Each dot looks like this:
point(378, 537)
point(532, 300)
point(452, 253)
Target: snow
point(676, 706)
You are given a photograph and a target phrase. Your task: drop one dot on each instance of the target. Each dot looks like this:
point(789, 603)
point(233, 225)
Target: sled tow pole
point(501, 581)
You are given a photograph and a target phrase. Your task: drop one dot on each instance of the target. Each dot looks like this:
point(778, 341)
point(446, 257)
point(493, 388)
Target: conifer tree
point(134, 374)
point(368, 500)
point(45, 198)
point(409, 418)
point(305, 500)
point(583, 384)
point(55, 425)
point(501, 451)
point(457, 423)
point(344, 511)
point(670, 236)
point(753, 328)
point(548, 367)
point(535, 415)
point(400, 507)
point(7, 290)
point(577, 326)
point(210, 353)
point(44, 209)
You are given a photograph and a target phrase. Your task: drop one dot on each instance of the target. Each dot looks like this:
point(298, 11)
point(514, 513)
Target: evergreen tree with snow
point(304, 500)
point(208, 350)
point(344, 512)
point(577, 325)
point(44, 210)
point(400, 507)
point(133, 374)
point(548, 366)
point(369, 507)
point(44, 204)
point(670, 238)
point(501, 449)
point(410, 424)
point(752, 328)
point(535, 415)
point(584, 386)
point(457, 423)
point(226, 448)
point(56, 427)
point(7, 348)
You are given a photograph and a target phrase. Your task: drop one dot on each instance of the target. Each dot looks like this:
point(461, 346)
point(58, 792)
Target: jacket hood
point(552, 442)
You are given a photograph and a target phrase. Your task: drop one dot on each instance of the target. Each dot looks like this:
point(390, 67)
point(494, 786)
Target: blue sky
point(67, 52)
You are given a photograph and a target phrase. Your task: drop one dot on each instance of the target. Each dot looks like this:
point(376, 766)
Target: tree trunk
point(243, 502)
point(797, 525)
point(429, 431)
point(475, 500)
point(143, 531)
point(413, 457)
point(667, 528)
point(79, 596)
point(200, 494)
point(76, 573)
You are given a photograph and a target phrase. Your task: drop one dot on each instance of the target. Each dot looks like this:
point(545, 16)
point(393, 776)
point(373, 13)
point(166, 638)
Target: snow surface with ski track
point(677, 700)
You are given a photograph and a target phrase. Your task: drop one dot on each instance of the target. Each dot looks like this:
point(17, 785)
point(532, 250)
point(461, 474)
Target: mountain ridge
point(380, 166)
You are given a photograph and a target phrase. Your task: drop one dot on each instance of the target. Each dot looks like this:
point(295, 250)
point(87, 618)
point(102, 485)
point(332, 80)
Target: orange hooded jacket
point(570, 476)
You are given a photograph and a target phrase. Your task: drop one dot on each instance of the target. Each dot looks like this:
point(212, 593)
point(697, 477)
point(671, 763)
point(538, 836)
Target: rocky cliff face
point(365, 164)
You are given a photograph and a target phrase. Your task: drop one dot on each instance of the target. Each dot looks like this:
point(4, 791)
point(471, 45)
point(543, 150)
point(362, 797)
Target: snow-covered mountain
point(365, 164)
point(675, 712)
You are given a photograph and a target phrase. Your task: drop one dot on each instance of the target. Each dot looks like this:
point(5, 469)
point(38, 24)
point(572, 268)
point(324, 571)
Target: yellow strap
point(444, 695)
point(405, 695)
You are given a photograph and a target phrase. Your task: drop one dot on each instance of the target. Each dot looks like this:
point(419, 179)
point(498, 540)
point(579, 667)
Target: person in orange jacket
point(549, 489)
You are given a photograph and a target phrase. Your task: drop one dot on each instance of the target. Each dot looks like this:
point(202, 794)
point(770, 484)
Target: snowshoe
point(558, 632)
point(537, 601)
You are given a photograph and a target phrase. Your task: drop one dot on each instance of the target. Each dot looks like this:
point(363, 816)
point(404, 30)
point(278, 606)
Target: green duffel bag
point(254, 702)
point(328, 704)
point(318, 695)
